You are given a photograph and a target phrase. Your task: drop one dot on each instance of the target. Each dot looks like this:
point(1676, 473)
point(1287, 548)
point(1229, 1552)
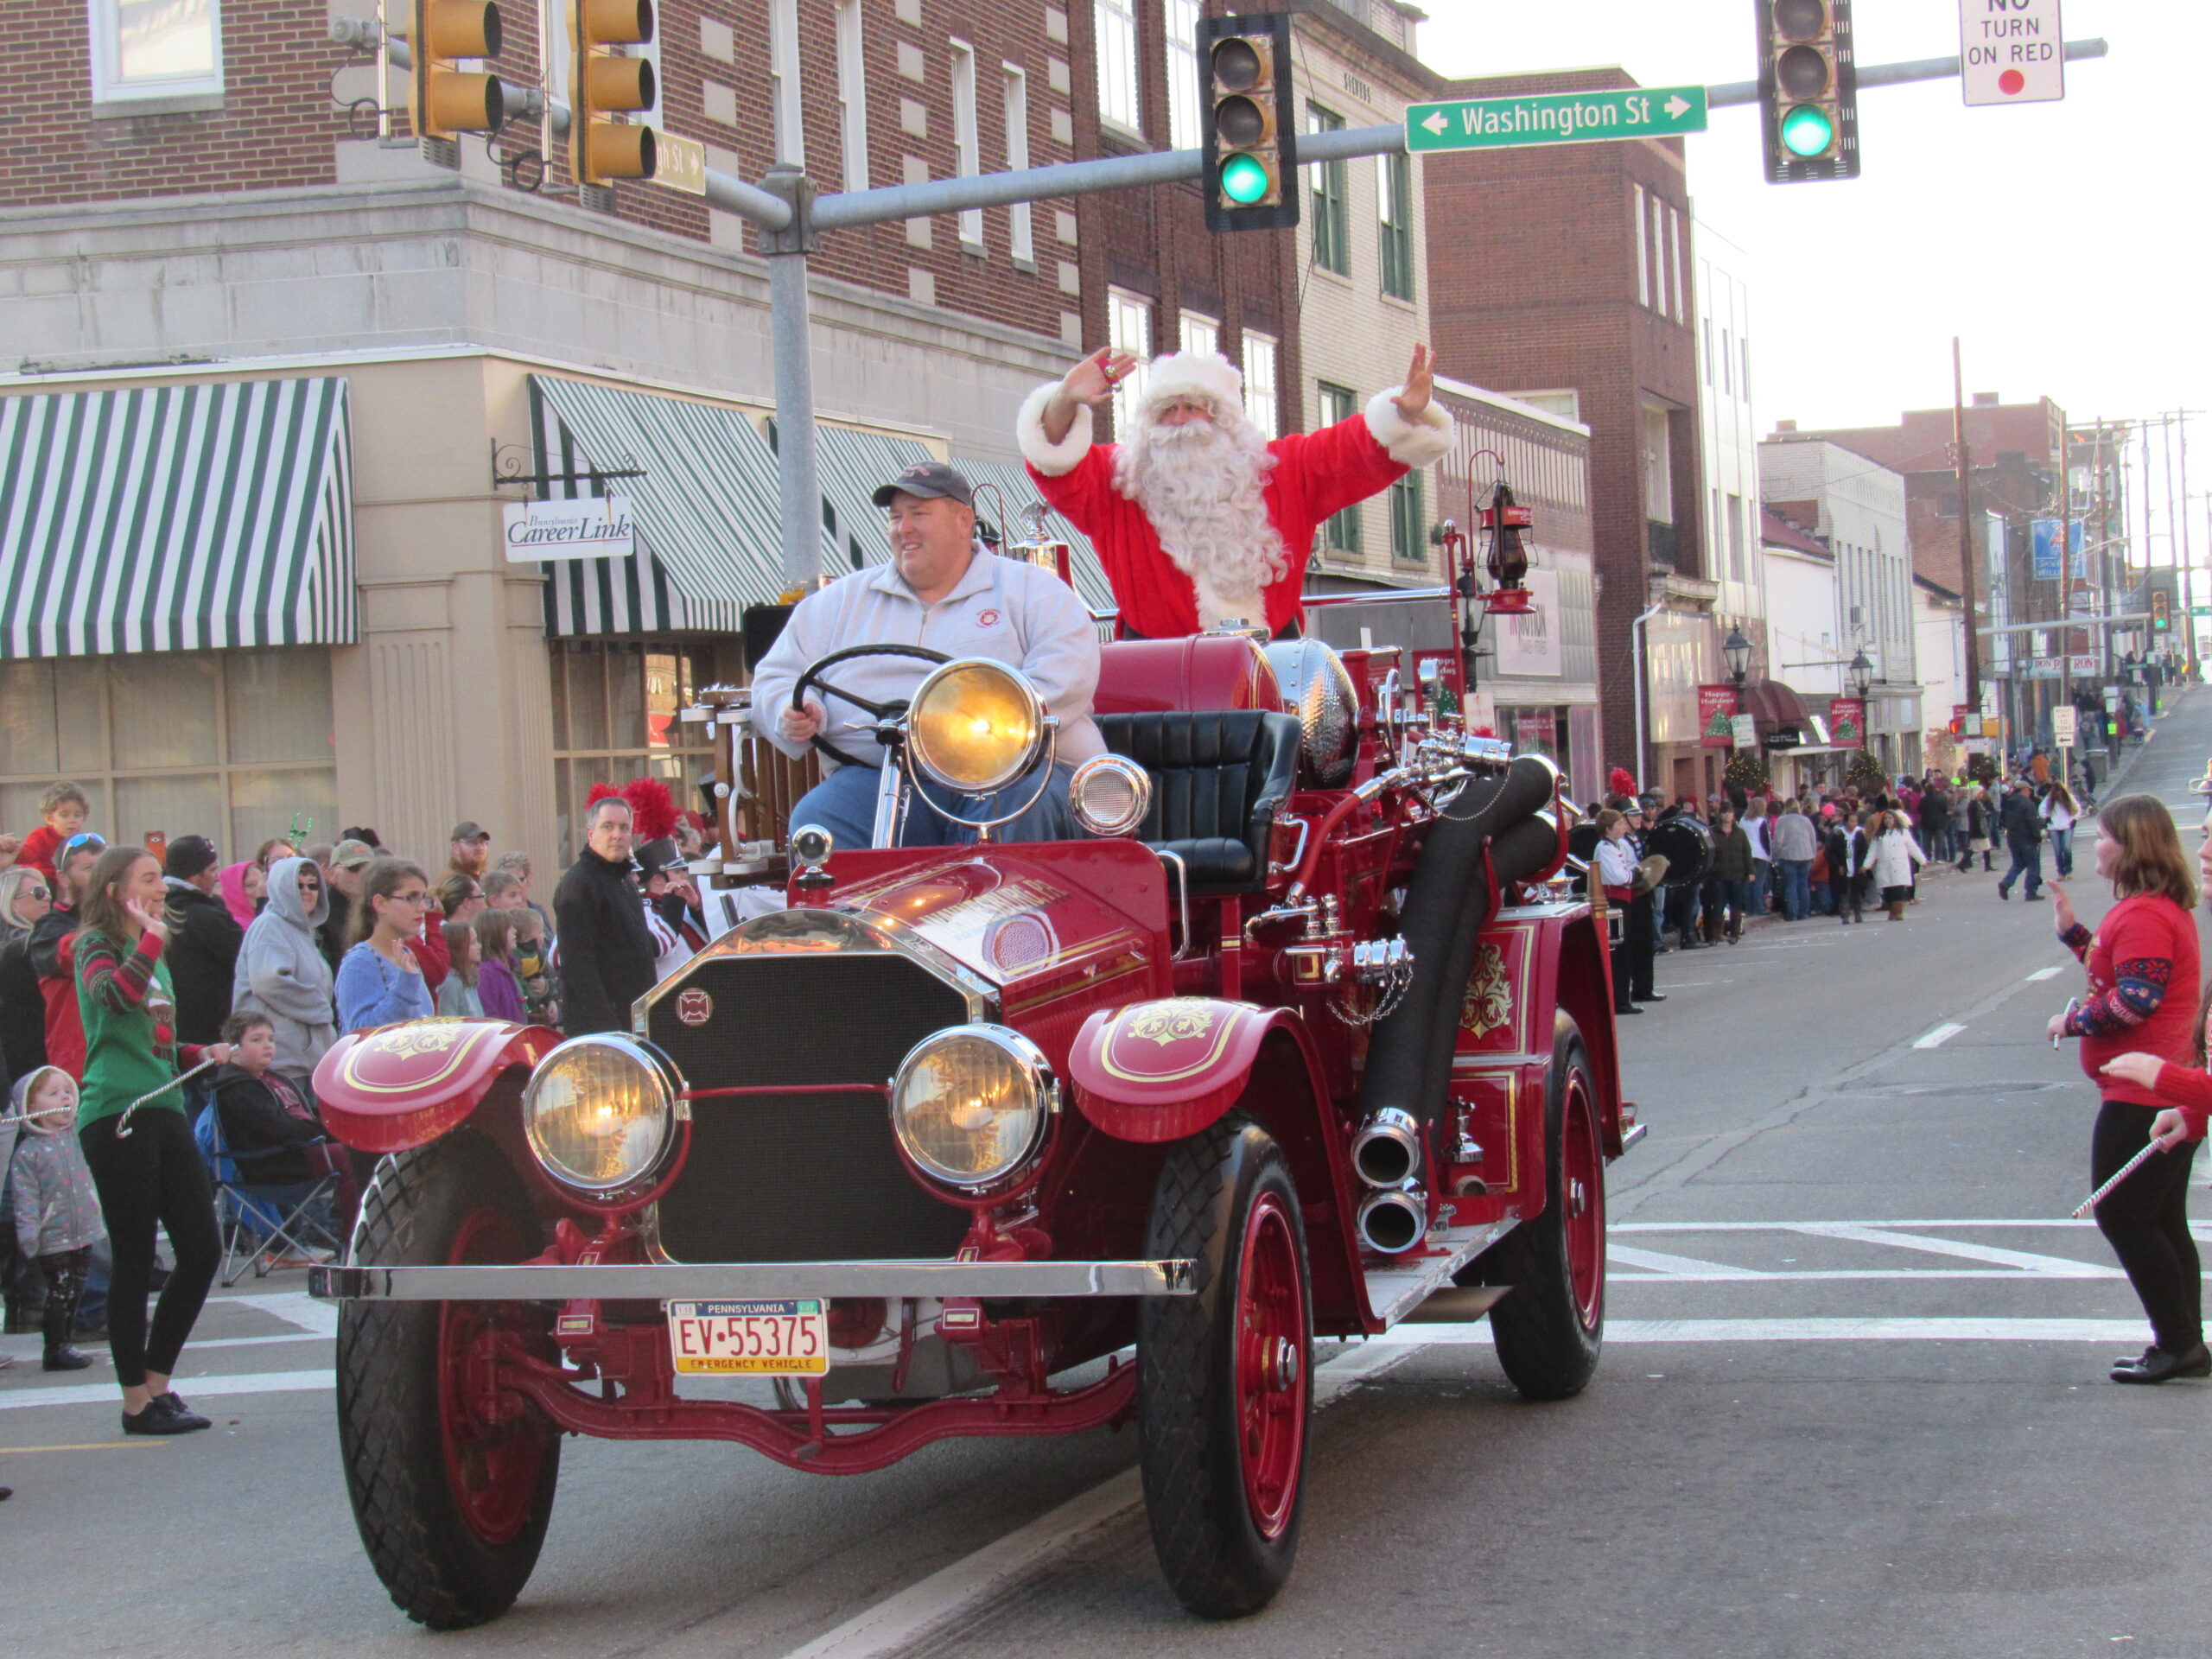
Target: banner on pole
point(1716, 716)
point(1848, 720)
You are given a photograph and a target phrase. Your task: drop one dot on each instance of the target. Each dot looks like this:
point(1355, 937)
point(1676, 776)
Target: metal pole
point(1882, 74)
point(2188, 563)
point(1965, 527)
point(790, 332)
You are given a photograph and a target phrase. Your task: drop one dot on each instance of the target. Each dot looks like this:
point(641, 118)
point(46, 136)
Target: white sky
point(2066, 243)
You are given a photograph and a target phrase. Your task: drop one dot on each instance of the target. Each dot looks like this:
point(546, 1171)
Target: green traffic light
point(1243, 180)
point(1807, 130)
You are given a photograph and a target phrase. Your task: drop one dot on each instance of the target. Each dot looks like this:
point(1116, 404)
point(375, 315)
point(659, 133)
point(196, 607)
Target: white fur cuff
point(1049, 458)
point(1410, 443)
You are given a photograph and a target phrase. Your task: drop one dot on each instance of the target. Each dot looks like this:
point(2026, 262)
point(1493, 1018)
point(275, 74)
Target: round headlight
point(971, 1105)
point(1109, 795)
point(599, 1112)
point(975, 725)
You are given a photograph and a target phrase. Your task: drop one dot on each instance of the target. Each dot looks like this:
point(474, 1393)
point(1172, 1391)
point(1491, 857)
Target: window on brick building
point(1708, 351)
point(1198, 332)
point(784, 81)
point(1020, 230)
point(1727, 373)
point(1128, 328)
point(1331, 199)
point(1183, 74)
point(1261, 399)
point(852, 95)
point(1739, 564)
point(155, 49)
point(1114, 30)
point(1408, 533)
point(1333, 404)
point(1394, 191)
point(966, 140)
point(1642, 246)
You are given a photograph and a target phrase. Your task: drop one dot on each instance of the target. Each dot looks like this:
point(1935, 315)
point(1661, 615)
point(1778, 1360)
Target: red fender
point(399, 1086)
point(1163, 1070)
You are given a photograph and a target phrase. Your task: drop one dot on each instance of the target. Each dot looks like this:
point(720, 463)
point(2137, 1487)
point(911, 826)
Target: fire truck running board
point(1410, 1279)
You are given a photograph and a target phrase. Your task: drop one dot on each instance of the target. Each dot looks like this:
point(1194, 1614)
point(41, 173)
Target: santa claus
point(1199, 517)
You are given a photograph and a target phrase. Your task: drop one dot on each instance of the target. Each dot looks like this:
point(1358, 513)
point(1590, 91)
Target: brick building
point(1563, 275)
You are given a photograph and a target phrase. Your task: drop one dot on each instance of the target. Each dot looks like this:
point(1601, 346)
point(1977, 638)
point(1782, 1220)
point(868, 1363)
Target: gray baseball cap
point(927, 477)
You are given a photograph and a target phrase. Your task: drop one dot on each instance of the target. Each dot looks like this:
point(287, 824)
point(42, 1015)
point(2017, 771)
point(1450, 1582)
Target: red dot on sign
point(2010, 82)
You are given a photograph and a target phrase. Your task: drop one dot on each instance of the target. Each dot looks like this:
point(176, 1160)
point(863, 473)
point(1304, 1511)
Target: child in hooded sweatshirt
point(57, 1209)
point(282, 973)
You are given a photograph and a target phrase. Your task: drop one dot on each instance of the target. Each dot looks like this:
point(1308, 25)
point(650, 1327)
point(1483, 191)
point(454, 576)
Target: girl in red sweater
point(2143, 975)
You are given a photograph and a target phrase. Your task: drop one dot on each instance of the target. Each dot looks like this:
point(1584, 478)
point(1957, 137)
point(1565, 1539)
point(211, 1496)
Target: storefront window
point(616, 705)
point(233, 745)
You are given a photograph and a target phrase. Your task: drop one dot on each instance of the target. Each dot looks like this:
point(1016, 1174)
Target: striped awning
point(853, 465)
point(185, 517)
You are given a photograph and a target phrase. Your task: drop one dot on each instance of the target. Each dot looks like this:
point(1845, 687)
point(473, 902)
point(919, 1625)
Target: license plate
point(750, 1339)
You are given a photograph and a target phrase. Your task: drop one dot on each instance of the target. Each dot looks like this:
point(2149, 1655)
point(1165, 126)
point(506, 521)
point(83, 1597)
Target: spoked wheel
point(452, 1481)
point(1550, 1330)
point(1224, 1385)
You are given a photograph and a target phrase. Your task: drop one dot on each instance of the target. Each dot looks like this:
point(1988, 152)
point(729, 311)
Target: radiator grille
point(804, 1177)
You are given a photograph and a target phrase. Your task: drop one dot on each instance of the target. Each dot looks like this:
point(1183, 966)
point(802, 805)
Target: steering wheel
point(880, 711)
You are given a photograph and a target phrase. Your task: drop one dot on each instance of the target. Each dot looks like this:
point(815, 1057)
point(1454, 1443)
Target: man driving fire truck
point(1198, 516)
point(945, 590)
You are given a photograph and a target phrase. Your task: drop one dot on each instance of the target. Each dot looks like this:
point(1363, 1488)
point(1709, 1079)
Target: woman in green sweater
point(153, 1175)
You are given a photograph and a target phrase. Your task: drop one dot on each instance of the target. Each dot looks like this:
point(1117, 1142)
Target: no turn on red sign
point(2010, 51)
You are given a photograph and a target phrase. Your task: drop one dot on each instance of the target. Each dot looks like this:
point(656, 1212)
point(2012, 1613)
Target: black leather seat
point(1219, 776)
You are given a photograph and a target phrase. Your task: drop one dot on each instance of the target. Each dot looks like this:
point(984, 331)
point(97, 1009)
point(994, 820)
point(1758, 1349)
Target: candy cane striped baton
point(124, 1128)
point(2126, 1170)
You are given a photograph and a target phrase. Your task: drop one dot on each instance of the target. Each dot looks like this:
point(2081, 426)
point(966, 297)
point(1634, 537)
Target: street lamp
point(1737, 651)
point(1862, 673)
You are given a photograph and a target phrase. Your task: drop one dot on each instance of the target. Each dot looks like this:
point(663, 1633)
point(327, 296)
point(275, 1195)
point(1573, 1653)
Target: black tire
point(452, 1552)
point(1223, 1197)
point(1548, 1334)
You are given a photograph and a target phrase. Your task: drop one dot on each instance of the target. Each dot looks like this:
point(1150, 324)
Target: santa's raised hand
point(1420, 381)
point(1089, 384)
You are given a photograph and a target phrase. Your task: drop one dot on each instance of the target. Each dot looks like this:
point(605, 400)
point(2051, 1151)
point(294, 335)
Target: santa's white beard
point(1201, 484)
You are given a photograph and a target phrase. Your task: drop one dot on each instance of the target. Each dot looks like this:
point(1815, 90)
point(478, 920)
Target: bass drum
point(1686, 845)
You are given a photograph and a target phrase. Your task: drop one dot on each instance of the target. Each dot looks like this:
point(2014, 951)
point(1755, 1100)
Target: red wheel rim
point(1582, 1188)
point(1271, 1362)
point(494, 1450)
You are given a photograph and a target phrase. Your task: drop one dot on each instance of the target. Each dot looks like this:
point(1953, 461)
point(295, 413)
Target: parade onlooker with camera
point(380, 982)
point(152, 1177)
point(54, 1204)
point(204, 939)
point(2141, 1013)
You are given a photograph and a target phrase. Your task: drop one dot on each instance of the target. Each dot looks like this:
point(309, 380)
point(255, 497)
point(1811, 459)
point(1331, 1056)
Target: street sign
point(681, 164)
point(1744, 731)
point(2010, 51)
point(2085, 666)
point(1556, 118)
point(2061, 725)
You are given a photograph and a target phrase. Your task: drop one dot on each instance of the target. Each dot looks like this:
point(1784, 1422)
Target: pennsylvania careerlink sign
point(580, 527)
point(1556, 118)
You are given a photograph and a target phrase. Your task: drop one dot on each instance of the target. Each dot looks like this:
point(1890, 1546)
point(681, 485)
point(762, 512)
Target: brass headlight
point(975, 725)
point(971, 1105)
point(599, 1113)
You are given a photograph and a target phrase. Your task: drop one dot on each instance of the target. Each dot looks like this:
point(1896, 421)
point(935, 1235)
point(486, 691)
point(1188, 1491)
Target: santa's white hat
point(1208, 375)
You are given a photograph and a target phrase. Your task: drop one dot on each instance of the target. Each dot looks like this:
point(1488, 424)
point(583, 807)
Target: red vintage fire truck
point(1309, 1038)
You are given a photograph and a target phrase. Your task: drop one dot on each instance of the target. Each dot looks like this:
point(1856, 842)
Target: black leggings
point(152, 1175)
point(2146, 1222)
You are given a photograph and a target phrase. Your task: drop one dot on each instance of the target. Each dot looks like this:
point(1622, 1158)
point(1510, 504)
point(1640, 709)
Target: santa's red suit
point(1315, 476)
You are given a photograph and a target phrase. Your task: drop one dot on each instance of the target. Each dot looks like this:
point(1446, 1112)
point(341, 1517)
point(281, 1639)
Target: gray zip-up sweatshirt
point(282, 973)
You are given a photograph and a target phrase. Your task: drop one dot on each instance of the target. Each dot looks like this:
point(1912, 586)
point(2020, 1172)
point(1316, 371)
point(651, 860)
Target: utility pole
point(1966, 528)
point(2188, 559)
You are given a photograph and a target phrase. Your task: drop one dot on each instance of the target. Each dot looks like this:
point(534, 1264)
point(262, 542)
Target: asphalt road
point(1852, 1403)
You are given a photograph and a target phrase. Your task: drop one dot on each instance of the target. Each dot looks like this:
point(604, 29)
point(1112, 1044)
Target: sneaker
point(63, 1357)
point(160, 1416)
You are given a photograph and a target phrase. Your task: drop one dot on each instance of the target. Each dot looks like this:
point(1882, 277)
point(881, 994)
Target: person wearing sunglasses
point(379, 981)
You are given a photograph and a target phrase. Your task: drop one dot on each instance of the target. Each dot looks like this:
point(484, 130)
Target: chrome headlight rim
point(1140, 783)
point(1033, 708)
point(1044, 1090)
point(668, 1103)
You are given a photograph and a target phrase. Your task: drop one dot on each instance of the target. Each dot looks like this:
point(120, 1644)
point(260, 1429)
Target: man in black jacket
point(607, 950)
point(2023, 828)
point(204, 939)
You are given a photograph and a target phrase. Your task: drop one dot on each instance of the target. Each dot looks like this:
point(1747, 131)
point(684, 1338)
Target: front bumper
point(751, 1281)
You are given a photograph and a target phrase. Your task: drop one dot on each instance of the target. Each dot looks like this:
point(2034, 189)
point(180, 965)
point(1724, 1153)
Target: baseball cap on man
point(469, 830)
point(351, 854)
point(927, 477)
point(188, 856)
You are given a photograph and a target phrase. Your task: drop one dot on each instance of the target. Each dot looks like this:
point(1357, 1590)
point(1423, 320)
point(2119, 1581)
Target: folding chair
point(262, 1221)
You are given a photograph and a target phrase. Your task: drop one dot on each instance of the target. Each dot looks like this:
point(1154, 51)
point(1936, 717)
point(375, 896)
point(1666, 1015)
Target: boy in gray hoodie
point(282, 973)
point(57, 1208)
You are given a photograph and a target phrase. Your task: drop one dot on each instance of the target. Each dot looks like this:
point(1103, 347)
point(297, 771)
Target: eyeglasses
point(32, 892)
point(87, 839)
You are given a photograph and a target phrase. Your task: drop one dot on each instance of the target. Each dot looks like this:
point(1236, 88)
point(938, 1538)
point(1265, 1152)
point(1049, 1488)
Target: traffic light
point(604, 86)
point(448, 100)
point(1249, 135)
point(2161, 611)
point(1809, 90)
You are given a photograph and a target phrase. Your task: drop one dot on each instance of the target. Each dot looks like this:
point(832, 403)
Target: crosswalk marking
point(1937, 1038)
point(2028, 1259)
point(1678, 1266)
point(2124, 1331)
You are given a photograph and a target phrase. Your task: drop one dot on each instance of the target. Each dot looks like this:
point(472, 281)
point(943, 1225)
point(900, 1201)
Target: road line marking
point(1937, 1038)
point(1958, 1247)
point(2047, 973)
point(1678, 1266)
point(194, 1388)
point(90, 1446)
point(1812, 1330)
point(2080, 1270)
point(897, 1620)
point(1794, 1226)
